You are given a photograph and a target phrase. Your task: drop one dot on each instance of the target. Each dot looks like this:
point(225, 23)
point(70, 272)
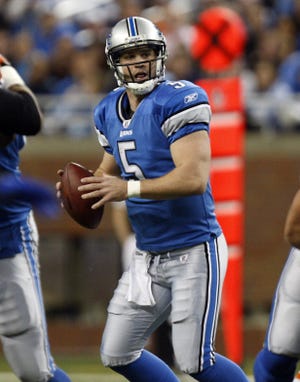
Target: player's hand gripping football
point(106, 187)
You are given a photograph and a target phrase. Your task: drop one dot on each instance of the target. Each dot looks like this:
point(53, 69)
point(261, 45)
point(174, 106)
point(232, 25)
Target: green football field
point(81, 368)
point(77, 377)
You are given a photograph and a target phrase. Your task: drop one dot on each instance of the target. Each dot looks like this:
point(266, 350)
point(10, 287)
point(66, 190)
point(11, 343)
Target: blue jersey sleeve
point(186, 110)
point(101, 126)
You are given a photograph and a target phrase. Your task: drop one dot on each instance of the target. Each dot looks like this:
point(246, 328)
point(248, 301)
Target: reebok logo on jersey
point(126, 123)
point(190, 97)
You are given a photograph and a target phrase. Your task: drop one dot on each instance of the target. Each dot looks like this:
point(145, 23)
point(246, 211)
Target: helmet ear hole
point(135, 32)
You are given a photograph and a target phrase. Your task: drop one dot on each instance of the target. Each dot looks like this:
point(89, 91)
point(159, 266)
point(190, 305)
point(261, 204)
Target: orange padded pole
point(232, 306)
point(227, 181)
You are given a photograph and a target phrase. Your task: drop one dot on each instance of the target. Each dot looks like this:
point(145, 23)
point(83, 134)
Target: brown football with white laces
point(79, 209)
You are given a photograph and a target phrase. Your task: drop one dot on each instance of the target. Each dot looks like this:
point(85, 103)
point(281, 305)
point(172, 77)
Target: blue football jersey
point(141, 147)
point(13, 210)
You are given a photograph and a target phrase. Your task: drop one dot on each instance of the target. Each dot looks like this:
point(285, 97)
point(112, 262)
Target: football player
point(155, 134)
point(277, 361)
point(23, 332)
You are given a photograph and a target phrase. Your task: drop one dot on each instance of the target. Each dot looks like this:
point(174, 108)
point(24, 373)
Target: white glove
point(9, 75)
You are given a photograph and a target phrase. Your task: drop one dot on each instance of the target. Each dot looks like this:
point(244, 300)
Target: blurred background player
point(277, 361)
point(23, 330)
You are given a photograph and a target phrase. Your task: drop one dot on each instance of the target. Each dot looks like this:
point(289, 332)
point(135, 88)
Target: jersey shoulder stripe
point(194, 115)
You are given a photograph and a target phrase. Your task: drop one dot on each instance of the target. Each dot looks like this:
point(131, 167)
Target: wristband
point(133, 188)
point(10, 77)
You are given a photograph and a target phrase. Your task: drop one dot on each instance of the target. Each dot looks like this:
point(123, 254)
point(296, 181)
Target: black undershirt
point(18, 113)
point(126, 110)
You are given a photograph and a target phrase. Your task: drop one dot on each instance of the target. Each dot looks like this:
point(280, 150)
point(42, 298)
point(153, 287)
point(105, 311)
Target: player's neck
point(134, 100)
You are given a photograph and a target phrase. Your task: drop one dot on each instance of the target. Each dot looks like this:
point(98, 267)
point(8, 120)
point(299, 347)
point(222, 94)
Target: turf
point(86, 364)
point(85, 368)
point(8, 377)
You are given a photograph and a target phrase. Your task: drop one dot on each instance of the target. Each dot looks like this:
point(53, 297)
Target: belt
point(173, 252)
point(162, 255)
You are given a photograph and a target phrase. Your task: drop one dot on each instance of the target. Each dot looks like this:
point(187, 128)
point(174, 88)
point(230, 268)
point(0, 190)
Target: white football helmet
point(134, 32)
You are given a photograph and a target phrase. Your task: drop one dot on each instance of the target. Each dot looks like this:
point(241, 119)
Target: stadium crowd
point(57, 46)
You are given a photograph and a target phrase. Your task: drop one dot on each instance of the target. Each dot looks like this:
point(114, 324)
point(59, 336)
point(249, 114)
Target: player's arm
point(191, 155)
point(107, 166)
point(120, 222)
point(292, 222)
point(19, 110)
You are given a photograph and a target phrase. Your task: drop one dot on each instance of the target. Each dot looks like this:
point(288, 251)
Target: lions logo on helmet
point(132, 33)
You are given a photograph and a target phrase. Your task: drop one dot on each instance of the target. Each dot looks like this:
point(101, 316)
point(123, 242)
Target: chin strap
point(144, 88)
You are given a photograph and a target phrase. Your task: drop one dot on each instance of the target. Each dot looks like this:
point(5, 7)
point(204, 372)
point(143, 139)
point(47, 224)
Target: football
point(79, 209)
